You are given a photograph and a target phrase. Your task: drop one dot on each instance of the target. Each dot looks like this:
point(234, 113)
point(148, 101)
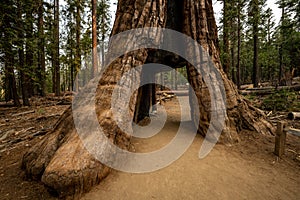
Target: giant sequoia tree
point(60, 160)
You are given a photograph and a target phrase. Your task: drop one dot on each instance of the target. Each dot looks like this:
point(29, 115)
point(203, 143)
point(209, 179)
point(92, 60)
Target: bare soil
point(248, 170)
point(18, 132)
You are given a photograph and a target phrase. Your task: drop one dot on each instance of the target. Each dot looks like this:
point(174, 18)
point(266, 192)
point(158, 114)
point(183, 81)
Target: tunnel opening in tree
point(60, 160)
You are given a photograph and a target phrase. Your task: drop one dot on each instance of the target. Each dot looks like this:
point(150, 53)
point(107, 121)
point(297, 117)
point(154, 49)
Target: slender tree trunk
point(28, 70)
point(226, 48)
point(41, 51)
point(94, 39)
point(56, 48)
point(78, 46)
point(11, 91)
point(102, 50)
point(102, 36)
point(60, 160)
point(238, 66)
point(255, 75)
point(21, 66)
point(53, 73)
point(280, 75)
point(175, 80)
point(233, 72)
point(11, 80)
point(72, 61)
point(72, 70)
point(162, 81)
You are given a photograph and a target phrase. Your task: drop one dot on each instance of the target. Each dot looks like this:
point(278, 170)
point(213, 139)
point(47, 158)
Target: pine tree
point(41, 50)
point(56, 63)
point(288, 38)
point(254, 12)
point(9, 33)
point(94, 39)
point(103, 25)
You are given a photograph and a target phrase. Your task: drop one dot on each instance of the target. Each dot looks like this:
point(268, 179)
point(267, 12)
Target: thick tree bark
point(240, 113)
point(61, 161)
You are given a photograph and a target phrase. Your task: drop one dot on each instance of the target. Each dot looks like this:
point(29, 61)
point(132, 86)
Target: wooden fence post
point(280, 139)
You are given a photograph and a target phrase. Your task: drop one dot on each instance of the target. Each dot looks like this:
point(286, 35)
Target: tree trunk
point(11, 85)
point(78, 46)
point(27, 71)
point(226, 59)
point(61, 162)
point(56, 48)
point(240, 113)
point(94, 69)
point(21, 66)
point(103, 33)
point(9, 72)
point(238, 66)
point(281, 70)
point(72, 62)
point(233, 77)
point(10, 81)
point(255, 75)
point(41, 51)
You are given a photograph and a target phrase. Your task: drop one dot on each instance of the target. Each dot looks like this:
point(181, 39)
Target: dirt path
point(226, 173)
point(248, 170)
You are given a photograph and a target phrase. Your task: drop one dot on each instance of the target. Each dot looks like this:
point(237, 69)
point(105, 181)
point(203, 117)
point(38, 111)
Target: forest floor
point(248, 170)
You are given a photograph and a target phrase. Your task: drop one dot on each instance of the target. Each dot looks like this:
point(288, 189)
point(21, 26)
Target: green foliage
point(41, 111)
point(270, 37)
point(103, 19)
point(283, 100)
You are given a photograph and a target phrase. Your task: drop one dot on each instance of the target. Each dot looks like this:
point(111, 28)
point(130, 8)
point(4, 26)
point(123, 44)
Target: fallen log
point(293, 131)
point(47, 117)
point(269, 90)
point(165, 98)
point(174, 92)
point(294, 115)
point(6, 105)
point(23, 113)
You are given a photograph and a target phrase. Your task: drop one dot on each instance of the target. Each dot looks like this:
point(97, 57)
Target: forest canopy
point(45, 45)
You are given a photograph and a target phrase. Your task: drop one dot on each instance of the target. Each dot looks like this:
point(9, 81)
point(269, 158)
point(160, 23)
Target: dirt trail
point(226, 173)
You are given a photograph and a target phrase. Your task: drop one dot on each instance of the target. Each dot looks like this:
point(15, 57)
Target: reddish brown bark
point(61, 161)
